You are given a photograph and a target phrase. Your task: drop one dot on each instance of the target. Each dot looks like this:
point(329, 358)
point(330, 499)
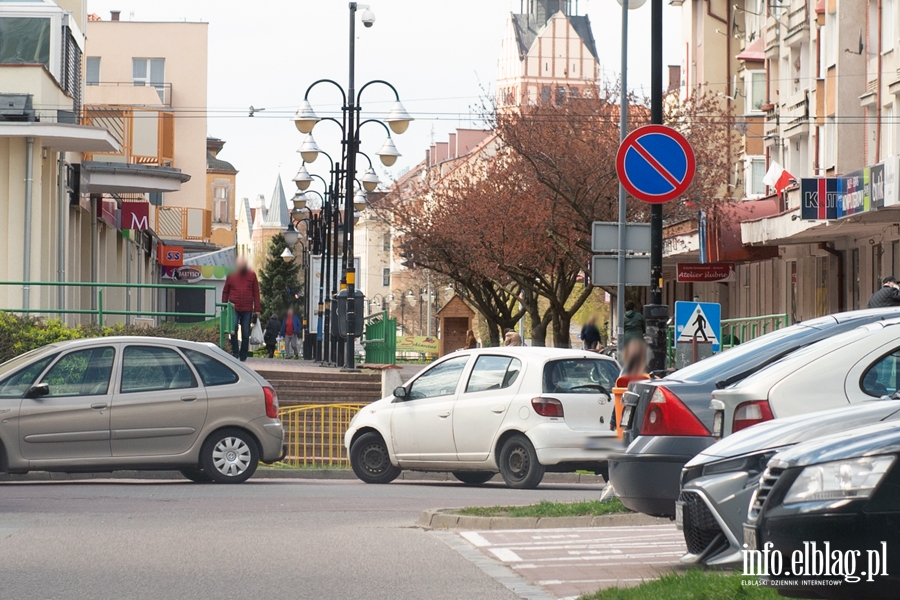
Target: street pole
point(656, 314)
point(623, 131)
point(429, 292)
point(352, 148)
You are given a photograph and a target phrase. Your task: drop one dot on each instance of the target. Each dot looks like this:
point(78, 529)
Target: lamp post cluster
point(329, 219)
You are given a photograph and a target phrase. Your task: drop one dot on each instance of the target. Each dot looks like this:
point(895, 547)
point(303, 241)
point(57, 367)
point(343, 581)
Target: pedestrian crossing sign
point(698, 320)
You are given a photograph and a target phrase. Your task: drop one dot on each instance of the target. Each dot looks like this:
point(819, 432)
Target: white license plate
point(750, 538)
point(679, 515)
point(627, 412)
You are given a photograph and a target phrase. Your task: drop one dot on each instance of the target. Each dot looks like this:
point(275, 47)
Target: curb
point(445, 519)
point(265, 473)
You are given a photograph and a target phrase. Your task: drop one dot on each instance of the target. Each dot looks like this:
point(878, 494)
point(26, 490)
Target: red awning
point(754, 52)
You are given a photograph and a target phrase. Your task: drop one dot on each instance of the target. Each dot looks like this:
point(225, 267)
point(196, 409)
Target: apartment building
point(823, 78)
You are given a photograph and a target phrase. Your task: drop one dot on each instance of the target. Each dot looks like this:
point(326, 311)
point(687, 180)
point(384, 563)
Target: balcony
point(181, 223)
point(772, 38)
point(771, 126)
point(797, 23)
point(146, 135)
point(795, 115)
point(129, 93)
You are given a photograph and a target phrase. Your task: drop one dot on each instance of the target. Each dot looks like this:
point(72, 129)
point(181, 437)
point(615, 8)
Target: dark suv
point(668, 421)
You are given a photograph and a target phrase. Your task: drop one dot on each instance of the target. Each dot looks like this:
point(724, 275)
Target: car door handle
point(444, 415)
point(498, 409)
point(99, 405)
point(188, 398)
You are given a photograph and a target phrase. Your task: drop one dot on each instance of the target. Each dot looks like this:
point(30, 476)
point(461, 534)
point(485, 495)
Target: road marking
point(476, 539)
point(506, 555)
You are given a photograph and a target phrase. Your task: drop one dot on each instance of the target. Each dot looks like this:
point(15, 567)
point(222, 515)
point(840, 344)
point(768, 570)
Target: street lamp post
point(397, 121)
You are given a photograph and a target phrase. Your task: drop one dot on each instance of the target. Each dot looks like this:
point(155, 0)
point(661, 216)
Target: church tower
point(548, 54)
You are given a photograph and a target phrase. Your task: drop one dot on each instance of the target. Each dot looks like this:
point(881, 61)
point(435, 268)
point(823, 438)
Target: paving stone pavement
point(570, 562)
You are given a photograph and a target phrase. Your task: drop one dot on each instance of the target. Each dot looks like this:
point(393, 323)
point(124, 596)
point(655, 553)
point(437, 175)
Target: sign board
point(187, 273)
point(170, 256)
point(820, 198)
point(134, 215)
point(655, 164)
point(605, 270)
point(697, 272)
point(417, 343)
point(605, 237)
point(312, 301)
point(698, 320)
point(868, 189)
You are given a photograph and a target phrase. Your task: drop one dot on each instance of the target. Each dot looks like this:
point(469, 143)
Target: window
point(493, 373)
point(830, 33)
point(212, 372)
point(386, 242)
point(545, 94)
point(92, 74)
point(440, 380)
point(386, 277)
point(887, 132)
point(887, 25)
point(854, 276)
point(24, 40)
point(756, 90)
point(15, 385)
point(881, 379)
point(149, 71)
point(560, 95)
point(877, 264)
point(81, 373)
point(756, 170)
point(220, 205)
point(149, 369)
point(830, 142)
point(579, 376)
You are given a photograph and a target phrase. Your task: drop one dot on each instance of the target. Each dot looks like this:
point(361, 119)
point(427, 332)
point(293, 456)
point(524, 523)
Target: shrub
point(21, 334)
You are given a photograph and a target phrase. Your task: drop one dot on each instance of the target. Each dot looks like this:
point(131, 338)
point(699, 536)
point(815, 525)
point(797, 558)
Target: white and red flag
point(777, 177)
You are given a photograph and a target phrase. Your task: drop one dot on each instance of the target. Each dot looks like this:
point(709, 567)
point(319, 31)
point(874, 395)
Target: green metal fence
point(736, 331)
point(224, 312)
point(380, 339)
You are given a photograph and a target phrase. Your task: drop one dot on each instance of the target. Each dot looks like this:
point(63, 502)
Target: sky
point(441, 57)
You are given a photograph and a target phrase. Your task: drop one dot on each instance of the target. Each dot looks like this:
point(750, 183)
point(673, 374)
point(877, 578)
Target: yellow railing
point(314, 434)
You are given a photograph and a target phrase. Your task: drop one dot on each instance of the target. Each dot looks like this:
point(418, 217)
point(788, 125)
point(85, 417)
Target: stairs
point(323, 386)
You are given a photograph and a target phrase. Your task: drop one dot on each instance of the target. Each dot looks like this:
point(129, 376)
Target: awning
point(122, 178)
point(787, 228)
point(63, 137)
point(755, 52)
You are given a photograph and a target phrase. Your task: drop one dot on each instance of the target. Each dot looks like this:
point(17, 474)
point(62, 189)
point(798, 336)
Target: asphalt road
point(273, 539)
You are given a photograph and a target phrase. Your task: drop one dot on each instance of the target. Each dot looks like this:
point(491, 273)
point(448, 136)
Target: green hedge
point(21, 334)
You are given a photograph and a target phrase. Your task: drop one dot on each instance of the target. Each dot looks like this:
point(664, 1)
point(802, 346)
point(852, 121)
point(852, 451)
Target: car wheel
point(603, 471)
point(519, 464)
point(371, 461)
point(229, 456)
point(473, 477)
point(196, 475)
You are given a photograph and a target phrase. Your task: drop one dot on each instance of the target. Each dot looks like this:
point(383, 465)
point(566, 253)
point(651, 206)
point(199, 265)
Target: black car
point(668, 421)
point(836, 497)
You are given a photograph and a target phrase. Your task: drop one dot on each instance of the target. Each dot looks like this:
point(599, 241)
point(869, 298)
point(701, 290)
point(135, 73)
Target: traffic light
point(407, 255)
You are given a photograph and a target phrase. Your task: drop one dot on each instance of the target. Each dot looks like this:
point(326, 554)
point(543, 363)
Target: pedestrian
point(471, 342)
point(888, 295)
point(511, 338)
point(242, 290)
point(290, 331)
point(270, 337)
point(634, 323)
point(590, 335)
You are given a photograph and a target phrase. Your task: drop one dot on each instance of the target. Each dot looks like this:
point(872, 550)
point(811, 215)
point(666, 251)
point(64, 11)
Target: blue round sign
point(655, 163)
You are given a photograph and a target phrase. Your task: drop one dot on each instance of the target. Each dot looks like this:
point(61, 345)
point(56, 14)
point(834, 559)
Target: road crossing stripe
point(475, 538)
point(505, 555)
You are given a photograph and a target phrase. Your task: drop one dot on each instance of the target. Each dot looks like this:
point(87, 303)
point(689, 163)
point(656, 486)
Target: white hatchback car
point(516, 410)
point(860, 364)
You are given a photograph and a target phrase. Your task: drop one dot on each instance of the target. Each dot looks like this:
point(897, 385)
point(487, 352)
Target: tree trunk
point(494, 334)
point(561, 337)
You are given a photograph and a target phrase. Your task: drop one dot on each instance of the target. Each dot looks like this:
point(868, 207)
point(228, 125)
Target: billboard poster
point(417, 343)
point(820, 198)
point(312, 300)
point(891, 182)
point(855, 193)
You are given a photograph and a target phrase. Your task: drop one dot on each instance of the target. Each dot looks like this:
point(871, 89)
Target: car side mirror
point(401, 393)
point(38, 391)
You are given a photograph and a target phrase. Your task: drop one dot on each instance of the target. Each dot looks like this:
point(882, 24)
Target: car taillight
point(547, 407)
point(667, 415)
point(271, 402)
point(718, 422)
point(748, 414)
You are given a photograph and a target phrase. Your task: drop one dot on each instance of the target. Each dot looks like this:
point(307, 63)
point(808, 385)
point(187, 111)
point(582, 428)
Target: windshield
point(746, 355)
point(14, 363)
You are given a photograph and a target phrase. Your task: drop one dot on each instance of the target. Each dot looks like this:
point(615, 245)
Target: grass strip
point(586, 508)
point(691, 585)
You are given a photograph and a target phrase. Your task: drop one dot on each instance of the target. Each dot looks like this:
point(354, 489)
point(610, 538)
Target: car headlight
point(754, 464)
point(841, 479)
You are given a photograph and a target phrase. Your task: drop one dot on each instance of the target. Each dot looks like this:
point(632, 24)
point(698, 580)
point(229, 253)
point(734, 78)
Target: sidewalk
point(309, 366)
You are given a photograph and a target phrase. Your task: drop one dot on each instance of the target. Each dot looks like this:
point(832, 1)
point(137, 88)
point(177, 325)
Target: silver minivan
point(141, 403)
